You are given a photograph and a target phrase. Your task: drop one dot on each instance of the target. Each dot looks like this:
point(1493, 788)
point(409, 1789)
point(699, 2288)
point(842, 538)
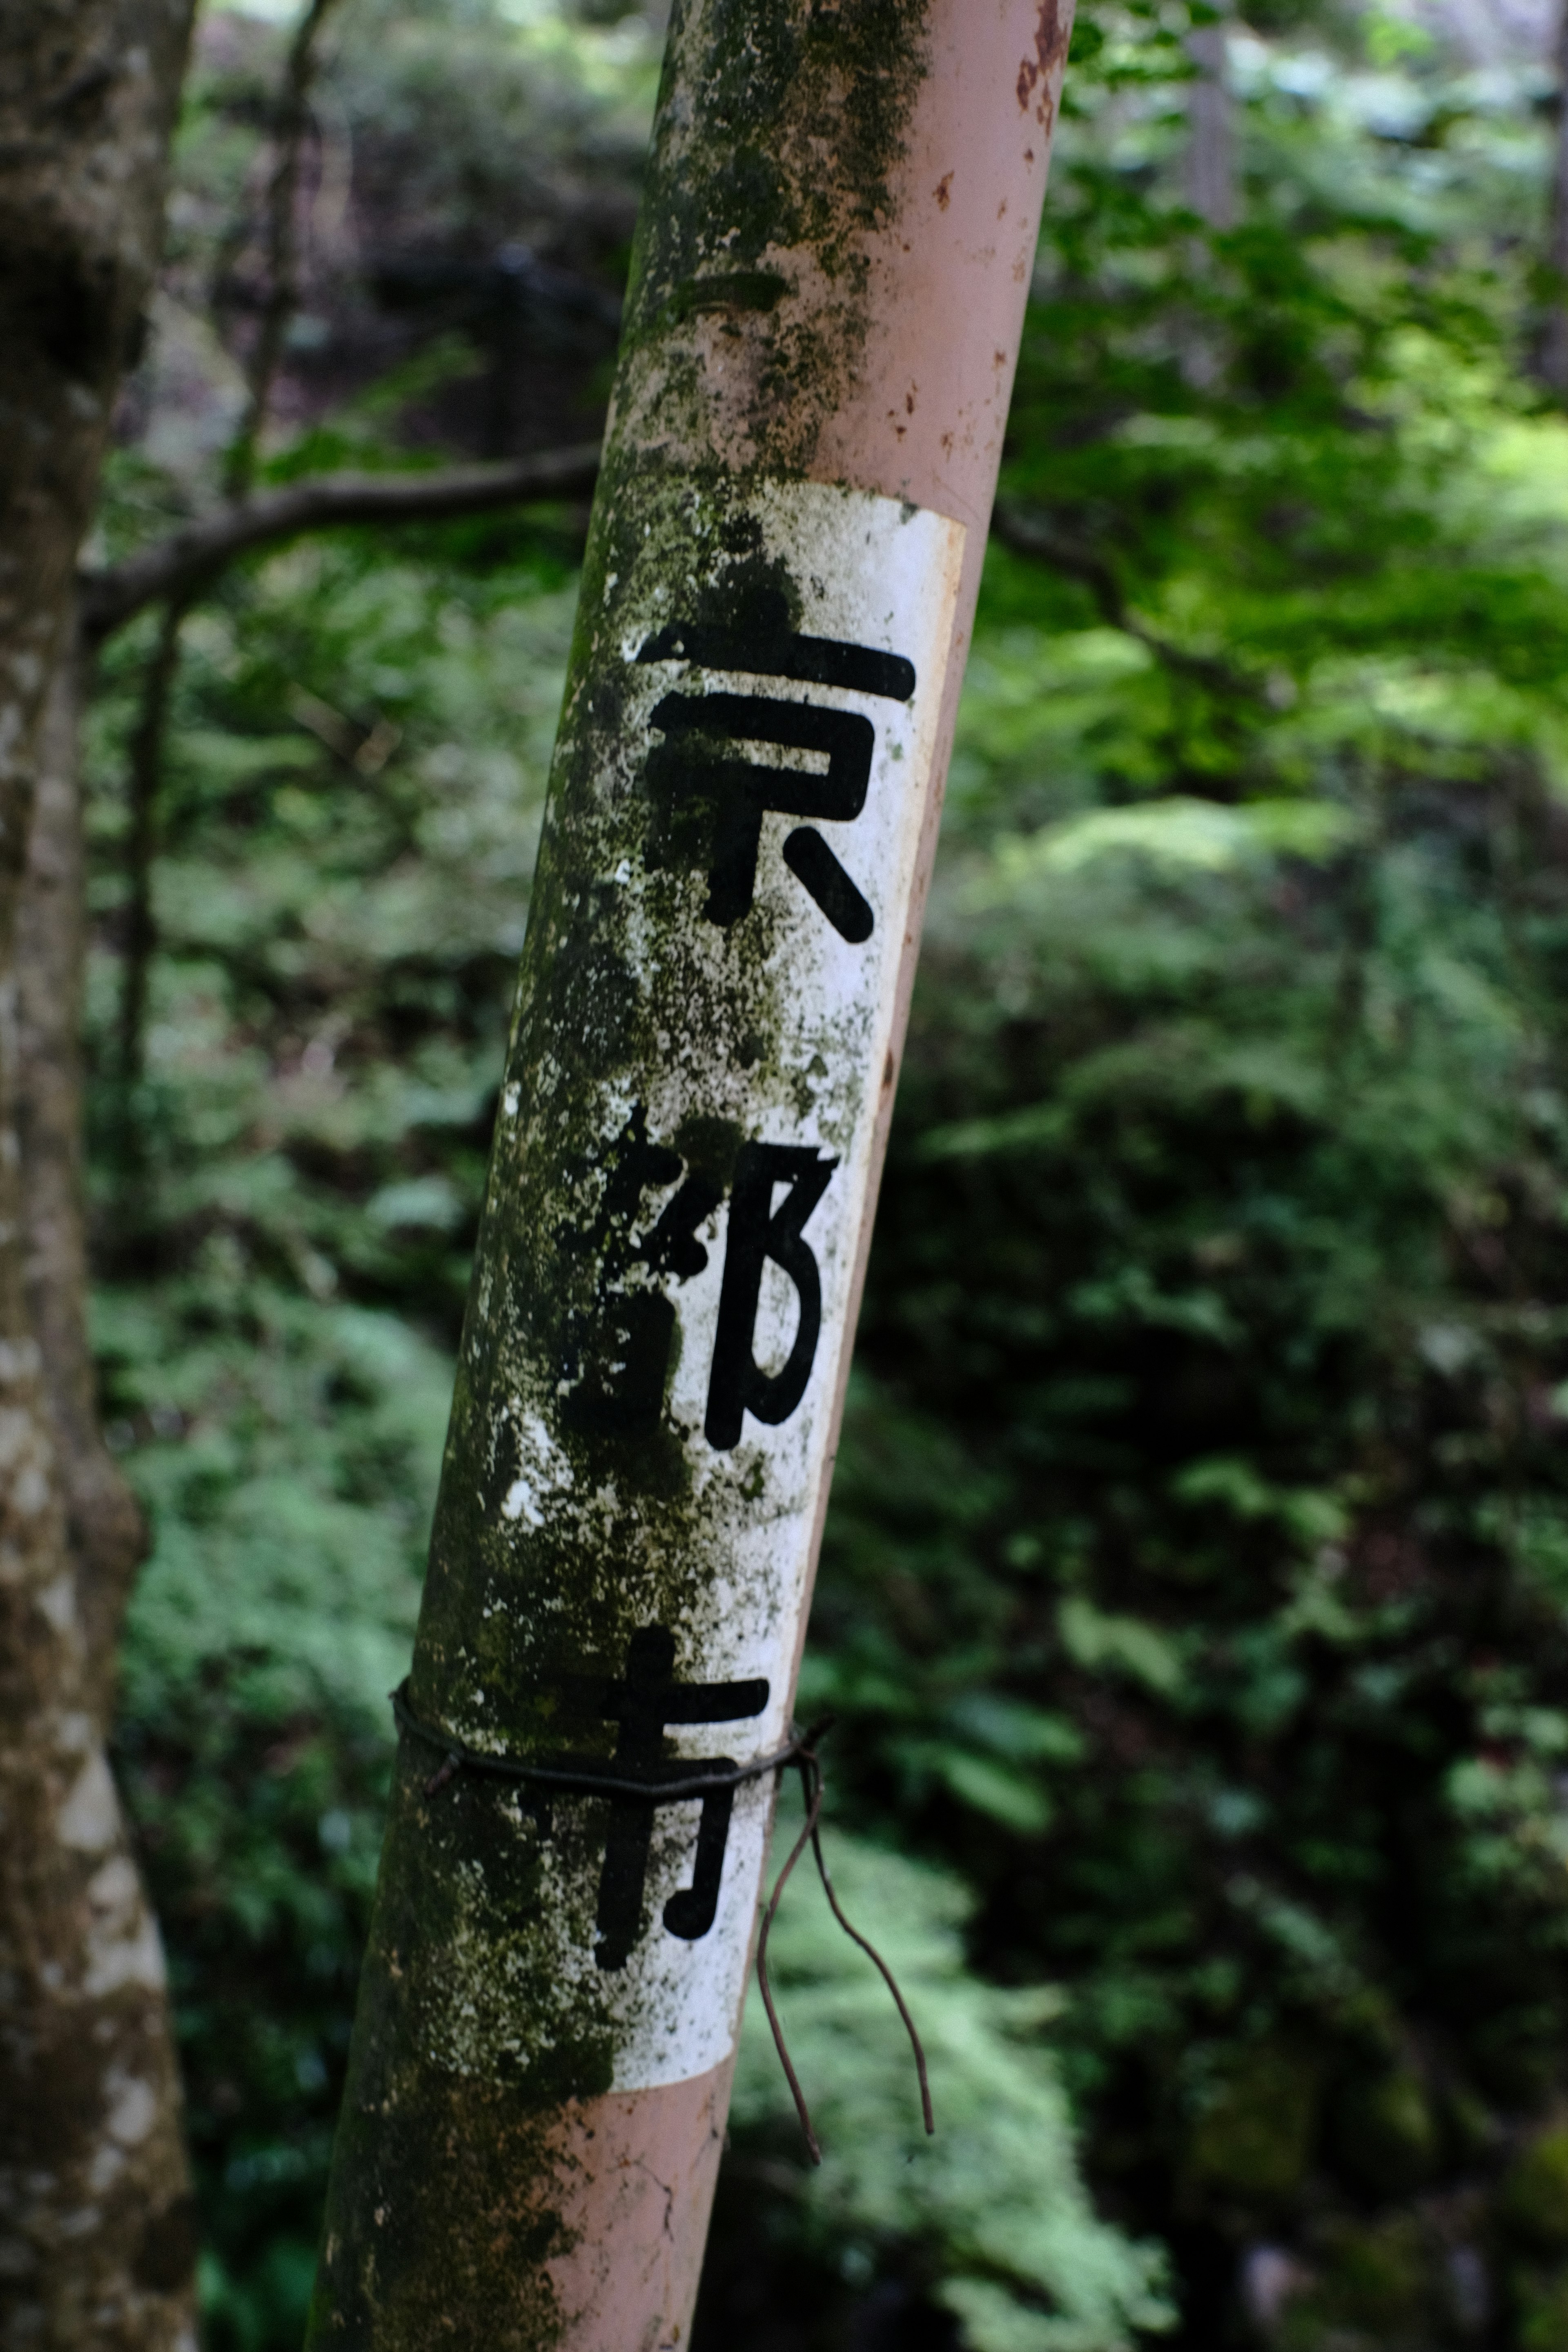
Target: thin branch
point(146, 771)
point(1211, 134)
point(1030, 535)
point(282, 245)
point(180, 566)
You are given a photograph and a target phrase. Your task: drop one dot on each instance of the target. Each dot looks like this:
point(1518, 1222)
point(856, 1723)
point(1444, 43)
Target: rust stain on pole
point(827, 291)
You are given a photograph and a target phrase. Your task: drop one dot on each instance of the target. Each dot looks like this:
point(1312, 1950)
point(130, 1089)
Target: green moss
point(749, 179)
point(443, 2194)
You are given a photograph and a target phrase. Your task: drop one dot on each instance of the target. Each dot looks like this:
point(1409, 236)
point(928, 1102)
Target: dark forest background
point(1194, 1602)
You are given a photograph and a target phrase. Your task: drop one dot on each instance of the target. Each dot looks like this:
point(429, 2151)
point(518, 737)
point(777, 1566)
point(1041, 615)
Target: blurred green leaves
point(991, 2210)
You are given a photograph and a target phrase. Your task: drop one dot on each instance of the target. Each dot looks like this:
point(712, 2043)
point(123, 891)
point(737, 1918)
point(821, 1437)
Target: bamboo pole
point(827, 291)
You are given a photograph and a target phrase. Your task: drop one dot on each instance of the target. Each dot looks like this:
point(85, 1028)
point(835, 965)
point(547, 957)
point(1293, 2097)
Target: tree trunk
point(94, 2196)
point(96, 2244)
point(1554, 355)
point(1211, 143)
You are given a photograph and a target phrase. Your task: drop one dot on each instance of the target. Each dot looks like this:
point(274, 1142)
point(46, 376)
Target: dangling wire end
point(875, 1957)
point(673, 1785)
point(804, 1757)
point(811, 1785)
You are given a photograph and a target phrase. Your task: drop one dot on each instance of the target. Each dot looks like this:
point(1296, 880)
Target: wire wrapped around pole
point(590, 1780)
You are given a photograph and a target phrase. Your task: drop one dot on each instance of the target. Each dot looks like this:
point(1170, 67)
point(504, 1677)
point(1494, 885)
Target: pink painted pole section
point(827, 296)
point(923, 419)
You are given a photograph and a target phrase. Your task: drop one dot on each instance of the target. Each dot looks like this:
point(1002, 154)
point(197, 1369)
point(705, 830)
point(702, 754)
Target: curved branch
point(182, 564)
point(1031, 535)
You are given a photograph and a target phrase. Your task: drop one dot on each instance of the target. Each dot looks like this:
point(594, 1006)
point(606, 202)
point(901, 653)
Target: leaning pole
point(827, 291)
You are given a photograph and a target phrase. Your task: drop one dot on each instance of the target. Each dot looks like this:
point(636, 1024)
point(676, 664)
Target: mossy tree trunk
point(96, 2242)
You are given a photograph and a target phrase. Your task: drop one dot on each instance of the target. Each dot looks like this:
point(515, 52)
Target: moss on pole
point(775, 605)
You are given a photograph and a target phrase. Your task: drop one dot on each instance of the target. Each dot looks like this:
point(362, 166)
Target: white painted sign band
point(738, 800)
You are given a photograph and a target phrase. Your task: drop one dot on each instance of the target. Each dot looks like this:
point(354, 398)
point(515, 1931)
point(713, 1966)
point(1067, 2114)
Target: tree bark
point(177, 568)
point(96, 2243)
point(94, 2194)
point(1553, 354)
point(1211, 142)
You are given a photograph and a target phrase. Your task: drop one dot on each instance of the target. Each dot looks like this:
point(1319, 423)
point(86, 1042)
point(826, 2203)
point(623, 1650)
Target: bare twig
point(146, 769)
point(184, 563)
point(1031, 535)
point(282, 298)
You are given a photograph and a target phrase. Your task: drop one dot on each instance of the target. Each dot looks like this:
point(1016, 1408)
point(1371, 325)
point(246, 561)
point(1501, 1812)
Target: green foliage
point(989, 2215)
point(286, 1452)
point(1207, 1407)
point(284, 1210)
point(1208, 1371)
point(285, 1247)
point(1253, 2138)
point(339, 925)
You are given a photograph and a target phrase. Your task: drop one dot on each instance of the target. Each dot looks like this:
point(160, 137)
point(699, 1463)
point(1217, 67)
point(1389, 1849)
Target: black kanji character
point(709, 810)
point(645, 1703)
point(615, 1360)
point(757, 1232)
